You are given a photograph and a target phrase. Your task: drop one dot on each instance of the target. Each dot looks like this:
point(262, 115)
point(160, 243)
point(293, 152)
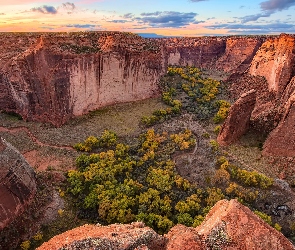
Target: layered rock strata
point(17, 183)
point(228, 225)
point(64, 75)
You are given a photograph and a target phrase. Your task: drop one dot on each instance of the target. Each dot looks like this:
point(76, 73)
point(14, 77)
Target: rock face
point(238, 119)
point(275, 61)
point(224, 53)
point(17, 183)
point(281, 140)
point(51, 77)
point(64, 75)
point(229, 225)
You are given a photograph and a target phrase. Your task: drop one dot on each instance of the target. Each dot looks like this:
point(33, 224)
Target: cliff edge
point(228, 225)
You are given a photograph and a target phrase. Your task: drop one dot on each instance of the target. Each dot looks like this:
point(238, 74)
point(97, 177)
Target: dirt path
point(33, 137)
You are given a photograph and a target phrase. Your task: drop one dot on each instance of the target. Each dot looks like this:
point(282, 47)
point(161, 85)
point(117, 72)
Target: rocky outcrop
point(17, 183)
point(185, 238)
point(116, 236)
point(238, 119)
point(228, 225)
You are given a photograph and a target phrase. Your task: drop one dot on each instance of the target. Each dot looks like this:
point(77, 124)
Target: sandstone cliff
point(17, 183)
point(281, 140)
point(223, 53)
point(229, 225)
point(56, 76)
point(275, 60)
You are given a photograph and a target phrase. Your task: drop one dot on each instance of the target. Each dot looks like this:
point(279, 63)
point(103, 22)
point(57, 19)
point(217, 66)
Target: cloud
point(254, 28)
point(195, 1)
point(118, 21)
point(128, 15)
point(268, 8)
point(251, 18)
point(45, 9)
point(68, 6)
point(81, 26)
point(167, 19)
point(2, 14)
point(277, 5)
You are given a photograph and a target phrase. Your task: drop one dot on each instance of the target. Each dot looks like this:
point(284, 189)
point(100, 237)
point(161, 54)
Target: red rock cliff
point(275, 61)
point(53, 77)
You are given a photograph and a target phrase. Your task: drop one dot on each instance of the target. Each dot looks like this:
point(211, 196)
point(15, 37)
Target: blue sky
point(163, 17)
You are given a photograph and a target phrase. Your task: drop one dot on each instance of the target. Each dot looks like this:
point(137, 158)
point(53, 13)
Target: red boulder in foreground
point(228, 225)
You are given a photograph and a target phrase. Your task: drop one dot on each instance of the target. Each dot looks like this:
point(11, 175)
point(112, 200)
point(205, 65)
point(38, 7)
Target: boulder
point(115, 237)
point(230, 225)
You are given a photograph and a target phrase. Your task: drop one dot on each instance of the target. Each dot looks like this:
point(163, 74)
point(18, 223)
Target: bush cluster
point(107, 139)
point(201, 92)
point(161, 115)
point(125, 183)
point(222, 111)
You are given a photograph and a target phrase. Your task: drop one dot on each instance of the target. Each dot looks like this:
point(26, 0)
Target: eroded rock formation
point(224, 53)
point(17, 183)
point(229, 225)
point(238, 119)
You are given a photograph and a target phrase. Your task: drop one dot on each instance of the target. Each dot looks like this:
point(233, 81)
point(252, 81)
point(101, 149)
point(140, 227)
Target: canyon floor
point(50, 151)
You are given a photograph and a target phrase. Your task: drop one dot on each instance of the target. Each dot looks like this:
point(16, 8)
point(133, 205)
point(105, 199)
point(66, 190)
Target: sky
point(162, 17)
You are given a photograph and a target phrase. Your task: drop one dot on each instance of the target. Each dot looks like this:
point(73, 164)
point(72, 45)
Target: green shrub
point(222, 112)
point(25, 245)
point(264, 216)
point(214, 145)
point(217, 129)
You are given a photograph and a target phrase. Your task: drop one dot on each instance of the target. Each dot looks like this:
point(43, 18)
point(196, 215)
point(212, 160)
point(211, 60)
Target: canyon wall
point(17, 183)
point(230, 54)
point(58, 76)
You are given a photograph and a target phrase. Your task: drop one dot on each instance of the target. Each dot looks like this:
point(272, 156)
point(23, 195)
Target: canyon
point(52, 77)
